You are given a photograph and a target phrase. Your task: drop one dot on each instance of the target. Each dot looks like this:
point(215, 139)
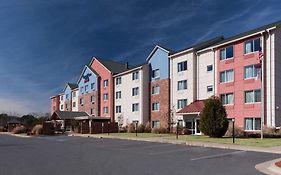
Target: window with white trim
point(182, 85)
point(135, 91)
point(118, 95)
point(118, 109)
point(210, 68)
point(252, 46)
point(251, 71)
point(81, 101)
point(182, 103)
point(118, 80)
point(155, 89)
point(227, 76)
point(93, 98)
point(253, 96)
point(93, 86)
point(155, 73)
point(156, 106)
point(86, 88)
point(135, 75)
point(105, 110)
point(182, 66)
point(105, 96)
point(92, 111)
point(227, 99)
point(210, 88)
point(105, 83)
point(135, 107)
point(252, 124)
point(156, 124)
point(226, 53)
point(74, 104)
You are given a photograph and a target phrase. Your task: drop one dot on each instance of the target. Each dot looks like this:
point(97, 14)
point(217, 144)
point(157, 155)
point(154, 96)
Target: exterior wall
point(55, 104)
point(239, 110)
point(86, 95)
point(160, 60)
point(68, 97)
point(189, 74)
point(74, 99)
point(205, 78)
point(127, 116)
point(62, 100)
point(104, 75)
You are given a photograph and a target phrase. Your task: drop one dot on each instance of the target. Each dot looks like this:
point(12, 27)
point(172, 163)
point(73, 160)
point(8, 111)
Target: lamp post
point(233, 131)
point(177, 131)
point(136, 129)
point(108, 125)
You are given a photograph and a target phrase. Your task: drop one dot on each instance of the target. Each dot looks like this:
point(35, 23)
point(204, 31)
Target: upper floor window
point(135, 91)
point(74, 94)
point(105, 83)
point(61, 107)
point(182, 84)
point(74, 104)
point(93, 98)
point(156, 73)
point(81, 101)
point(227, 76)
point(92, 111)
point(105, 96)
point(252, 46)
point(135, 75)
point(135, 107)
point(92, 86)
point(226, 53)
point(61, 97)
point(210, 68)
point(253, 96)
point(251, 71)
point(227, 99)
point(210, 88)
point(81, 89)
point(118, 109)
point(118, 95)
point(182, 66)
point(155, 90)
point(86, 88)
point(67, 96)
point(105, 110)
point(118, 80)
point(156, 106)
point(182, 103)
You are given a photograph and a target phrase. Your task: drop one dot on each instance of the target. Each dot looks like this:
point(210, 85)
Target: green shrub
point(141, 128)
point(37, 130)
point(147, 128)
point(19, 130)
point(131, 128)
point(213, 121)
point(160, 130)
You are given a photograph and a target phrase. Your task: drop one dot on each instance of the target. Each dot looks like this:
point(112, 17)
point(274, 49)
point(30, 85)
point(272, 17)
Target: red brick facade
point(88, 104)
point(164, 99)
point(55, 103)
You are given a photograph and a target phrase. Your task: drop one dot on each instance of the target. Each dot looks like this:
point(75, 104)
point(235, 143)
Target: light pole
point(177, 131)
point(136, 129)
point(233, 130)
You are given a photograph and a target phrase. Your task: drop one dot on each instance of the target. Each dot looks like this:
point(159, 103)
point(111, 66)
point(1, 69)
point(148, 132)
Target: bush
point(141, 128)
point(213, 121)
point(131, 128)
point(160, 130)
point(238, 132)
point(19, 130)
point(147, 128)
point(3, 129)
point(37, 130)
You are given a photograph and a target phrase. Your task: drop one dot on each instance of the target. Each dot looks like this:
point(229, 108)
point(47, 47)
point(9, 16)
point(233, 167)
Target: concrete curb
point(202, 144)
point(269, 167)
point(15, 135)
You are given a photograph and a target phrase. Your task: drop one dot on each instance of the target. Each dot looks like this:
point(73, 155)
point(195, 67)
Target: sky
point(46, 43)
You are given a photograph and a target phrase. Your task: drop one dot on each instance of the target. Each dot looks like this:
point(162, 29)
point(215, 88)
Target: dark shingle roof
point(202, 45)
point(68, 114)
point(113, 66)
point(277, 23)
point(72, 85)
point(194, 107)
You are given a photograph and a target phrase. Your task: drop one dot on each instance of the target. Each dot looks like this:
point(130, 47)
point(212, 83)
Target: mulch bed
point(278, 164)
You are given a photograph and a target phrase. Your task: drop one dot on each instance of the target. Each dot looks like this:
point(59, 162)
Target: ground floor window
point(252, 124)
point(156, 124)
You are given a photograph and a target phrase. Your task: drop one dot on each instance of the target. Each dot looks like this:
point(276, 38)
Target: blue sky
point(45, 43)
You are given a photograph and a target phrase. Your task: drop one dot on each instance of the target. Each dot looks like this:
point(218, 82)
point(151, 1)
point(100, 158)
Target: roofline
point(92, 70)
point(153, 51)
point(181, 52)
point(95, 58)
point(128, 71)
point(188, 113)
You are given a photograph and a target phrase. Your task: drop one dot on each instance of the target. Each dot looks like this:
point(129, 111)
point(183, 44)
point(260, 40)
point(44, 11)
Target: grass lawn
point(257, 142)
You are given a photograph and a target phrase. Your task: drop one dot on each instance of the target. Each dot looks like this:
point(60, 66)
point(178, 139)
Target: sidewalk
point(269, 167)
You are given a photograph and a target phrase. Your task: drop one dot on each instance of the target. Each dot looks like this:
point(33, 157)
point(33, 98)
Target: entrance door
point(190, 125)
point(197, 127)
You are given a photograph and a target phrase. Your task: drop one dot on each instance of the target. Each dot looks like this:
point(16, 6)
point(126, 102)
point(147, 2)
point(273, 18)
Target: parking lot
point(65, 155)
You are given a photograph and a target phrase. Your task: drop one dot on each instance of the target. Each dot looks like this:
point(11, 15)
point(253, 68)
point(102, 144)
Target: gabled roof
point(259, 29)
point(84, 69)
point(154, 50)
point(194, 107)
point(200, 45)
point(67, 115)
point(71, 85)
point(112, 66)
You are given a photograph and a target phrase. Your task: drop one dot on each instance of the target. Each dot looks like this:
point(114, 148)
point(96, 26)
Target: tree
point(213, 121)
point(29, 120)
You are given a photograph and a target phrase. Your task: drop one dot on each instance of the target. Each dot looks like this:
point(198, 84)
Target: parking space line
point(217, 155)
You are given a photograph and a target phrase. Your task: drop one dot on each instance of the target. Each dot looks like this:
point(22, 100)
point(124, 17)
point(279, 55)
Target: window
point(156, 73)
point(81, 89)
point(74, 104)
point(155, 106)
point(210, 88)
point(105, 83)
point(118, 95)
point(253, 96)
point(92, 111)
point(182, 66)
point(155, 90)
point(182, 85)
point(226, 53)
point(118, 80)
point(135, 75)
point(86, 88)
point(252, 46)
point(81, 101)
point(105, 96)
point(105, 110)
point(156, 124)
point(118, 109)
point(135, 91)
point(61, 97)
point(61, 107)
point(227, 99)
point(66, 96)
point(252, 124)
point(227, 76)
point(92, 86)
point(251, 71)
point(74, 94)
point(209, 68)
point(66, 106)
point(135, 107)
point(93, 98)
point(182, 103)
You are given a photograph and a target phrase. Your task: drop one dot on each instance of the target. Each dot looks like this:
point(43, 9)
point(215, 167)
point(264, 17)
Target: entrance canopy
point(67, 115)
point(193, 108)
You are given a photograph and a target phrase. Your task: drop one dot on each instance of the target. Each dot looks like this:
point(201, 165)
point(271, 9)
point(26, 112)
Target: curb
point(269, 167)
point(15, 135)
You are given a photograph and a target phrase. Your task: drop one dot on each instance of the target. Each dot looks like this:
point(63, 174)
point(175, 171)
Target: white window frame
point(118, 80)
point(253, 92)
point(135, 91)
point(208, 66)
point(225, 96)
point(254, 127)
point(180, 101)
point(255, 70)
point(155, 106)
point(226, 75)
point(180, 66)
point(252, 41)
point(105, 83)
point(225, 50)
point(118, 95)
point(135, 75)
point(183, 82)
point(153, 73)
point(118, 109)
point(154, 90)
point(135, 107)
point(210, 86)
